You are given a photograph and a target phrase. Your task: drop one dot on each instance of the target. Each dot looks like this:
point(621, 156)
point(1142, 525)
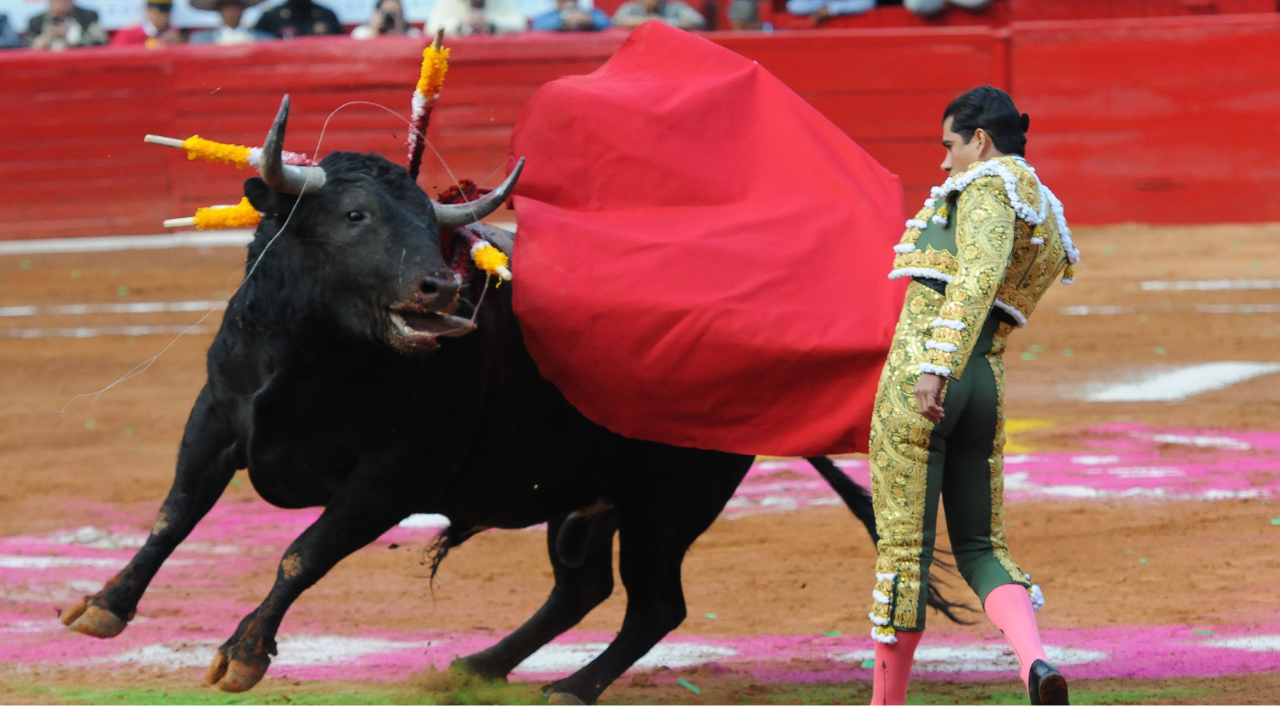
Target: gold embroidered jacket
point(997, 238)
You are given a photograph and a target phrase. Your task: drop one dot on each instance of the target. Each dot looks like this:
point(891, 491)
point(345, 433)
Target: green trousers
point(915, 462)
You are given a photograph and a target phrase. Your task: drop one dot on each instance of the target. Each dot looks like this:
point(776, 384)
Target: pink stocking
point(893, 669)
point(1009, 608)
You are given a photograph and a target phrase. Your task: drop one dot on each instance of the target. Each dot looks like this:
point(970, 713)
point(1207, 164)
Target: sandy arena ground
point(1165, 561)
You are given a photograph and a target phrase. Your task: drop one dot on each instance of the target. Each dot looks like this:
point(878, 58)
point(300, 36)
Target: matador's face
point(961, 154)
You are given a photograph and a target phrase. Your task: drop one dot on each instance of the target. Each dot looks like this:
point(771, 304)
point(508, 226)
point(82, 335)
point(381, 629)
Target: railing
point(1156, 120)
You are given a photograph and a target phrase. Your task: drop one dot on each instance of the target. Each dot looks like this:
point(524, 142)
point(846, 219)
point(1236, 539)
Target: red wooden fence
point(1159, 120)
point(1162, 121)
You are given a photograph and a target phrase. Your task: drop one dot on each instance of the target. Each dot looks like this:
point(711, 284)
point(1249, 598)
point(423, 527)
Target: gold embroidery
point(1031, 267)
point(938, 260)
point(984, 239)
point(899, 458)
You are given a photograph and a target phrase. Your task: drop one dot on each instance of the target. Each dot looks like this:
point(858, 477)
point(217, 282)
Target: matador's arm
point(984, 240)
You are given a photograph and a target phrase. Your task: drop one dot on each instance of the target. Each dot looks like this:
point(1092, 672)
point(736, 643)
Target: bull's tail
point(448, 539)
point(853, 494)
point(858, 500)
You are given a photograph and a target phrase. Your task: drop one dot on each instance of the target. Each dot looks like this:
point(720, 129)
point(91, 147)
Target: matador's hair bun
point(991, 109)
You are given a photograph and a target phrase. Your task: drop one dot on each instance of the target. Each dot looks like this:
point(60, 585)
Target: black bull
point(329, 382)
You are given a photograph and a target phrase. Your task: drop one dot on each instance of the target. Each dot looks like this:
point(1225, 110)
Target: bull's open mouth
point(416, 326)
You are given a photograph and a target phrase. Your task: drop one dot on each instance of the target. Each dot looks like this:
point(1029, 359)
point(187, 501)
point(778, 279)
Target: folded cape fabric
point(701, 256)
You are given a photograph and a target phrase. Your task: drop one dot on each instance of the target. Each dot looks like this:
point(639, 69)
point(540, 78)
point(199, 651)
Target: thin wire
point(145, 365)
point(483, 291)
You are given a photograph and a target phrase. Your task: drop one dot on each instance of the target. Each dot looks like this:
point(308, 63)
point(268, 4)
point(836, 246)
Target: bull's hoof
point(93, 620)
point(242, 676)
point(217, 668)
point(467, 667)
point(234, 676)
point(564, 698)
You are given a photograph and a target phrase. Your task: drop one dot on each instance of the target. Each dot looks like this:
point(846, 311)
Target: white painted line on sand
point(188, 239)
point(1199, 441)
point(567, 657)
point(27, 562)
point(978, 657)
point(295, 651)
point(1232, 309)
point(92, 332)
point(1097, 310)
point(1183, 382)
point(1211, 309)
point(1256, 643)
point(424, 520)
point(199, 239)
point(114, 308)
point(1182, 285)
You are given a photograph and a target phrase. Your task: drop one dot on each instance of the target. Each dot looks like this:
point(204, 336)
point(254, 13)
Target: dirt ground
point(801, 573)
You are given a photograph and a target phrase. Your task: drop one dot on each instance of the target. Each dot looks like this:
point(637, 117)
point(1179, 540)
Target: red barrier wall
point(1166, 120)
point(72, 161)
point(1160, 121)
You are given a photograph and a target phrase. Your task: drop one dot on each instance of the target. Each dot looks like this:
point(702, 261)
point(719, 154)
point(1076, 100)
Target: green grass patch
point(211, 696)
point(431, 688)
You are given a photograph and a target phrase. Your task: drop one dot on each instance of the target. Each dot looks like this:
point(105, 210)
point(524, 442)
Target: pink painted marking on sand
point(41, 574)
point(315, 654)
point(1124, 461)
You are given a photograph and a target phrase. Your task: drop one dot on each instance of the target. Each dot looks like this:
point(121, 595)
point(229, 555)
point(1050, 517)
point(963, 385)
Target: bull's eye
point(355, 216)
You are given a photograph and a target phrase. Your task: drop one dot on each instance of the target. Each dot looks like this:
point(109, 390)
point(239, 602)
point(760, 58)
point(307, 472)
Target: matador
point(981, 253)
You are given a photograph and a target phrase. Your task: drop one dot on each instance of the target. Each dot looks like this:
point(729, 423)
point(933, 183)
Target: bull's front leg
point(352, 519)
point(206, 461)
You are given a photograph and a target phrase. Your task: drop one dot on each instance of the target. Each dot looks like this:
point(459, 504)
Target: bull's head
point(362, 242)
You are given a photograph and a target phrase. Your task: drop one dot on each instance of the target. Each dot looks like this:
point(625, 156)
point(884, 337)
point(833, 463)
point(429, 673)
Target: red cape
point(701, 257)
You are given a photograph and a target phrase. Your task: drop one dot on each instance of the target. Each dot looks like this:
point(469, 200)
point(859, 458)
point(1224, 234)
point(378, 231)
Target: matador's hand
point(929, 396)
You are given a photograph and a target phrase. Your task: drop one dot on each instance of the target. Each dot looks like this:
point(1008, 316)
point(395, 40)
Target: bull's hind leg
point(666, 506)
point(576, 593)
point(207, 459)
point(350, 521)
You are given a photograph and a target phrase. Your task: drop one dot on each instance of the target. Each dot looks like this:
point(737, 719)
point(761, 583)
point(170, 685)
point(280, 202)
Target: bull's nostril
point(438, 287)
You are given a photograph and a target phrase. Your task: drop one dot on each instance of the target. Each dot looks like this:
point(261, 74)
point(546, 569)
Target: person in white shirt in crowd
point(64, 26)
point(824, 9)
point(671, 12)
point(929, 7)
point(233, 30)
point(476, 17)
point(387, 21)
point(569, 17)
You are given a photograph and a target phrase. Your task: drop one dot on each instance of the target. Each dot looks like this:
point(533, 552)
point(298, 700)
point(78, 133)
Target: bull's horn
point(291, 179)
point(452, 216)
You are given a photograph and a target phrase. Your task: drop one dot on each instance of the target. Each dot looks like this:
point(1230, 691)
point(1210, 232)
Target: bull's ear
point(261, 196)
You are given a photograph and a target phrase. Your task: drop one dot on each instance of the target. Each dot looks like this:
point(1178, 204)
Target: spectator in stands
point(9, 37)
point(476, 17)
point(569, 17)
point(744, 14)
point(824, 9)
point(64, 25)
point(387, 20)
point(231, 32)
point(155, 30)
point(929, 7)
point(296, 18)
point(671, 12)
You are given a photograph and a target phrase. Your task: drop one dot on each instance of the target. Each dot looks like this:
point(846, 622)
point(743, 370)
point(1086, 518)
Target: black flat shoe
point(1046, 686)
